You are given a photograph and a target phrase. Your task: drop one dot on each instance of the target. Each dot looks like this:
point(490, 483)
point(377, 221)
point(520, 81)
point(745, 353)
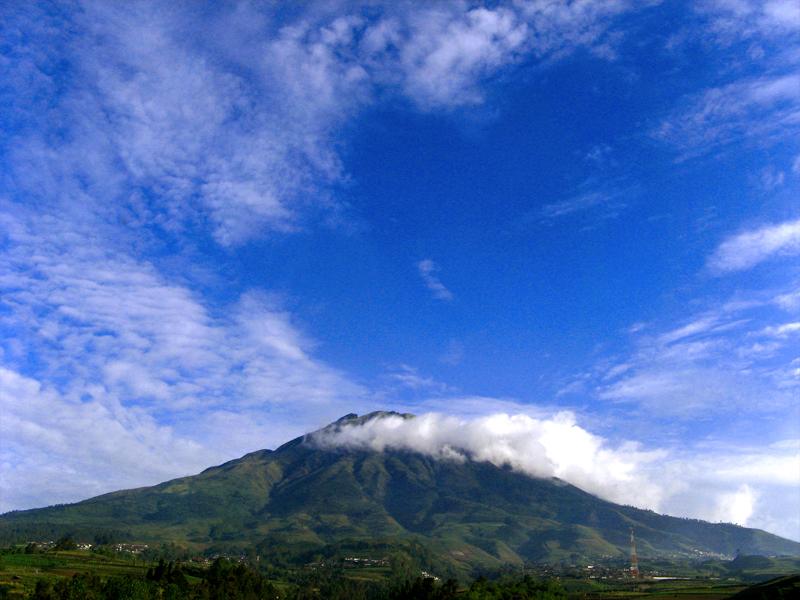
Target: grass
point(702, 589)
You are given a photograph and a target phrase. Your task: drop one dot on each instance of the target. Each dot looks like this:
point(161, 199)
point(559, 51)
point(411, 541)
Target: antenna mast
point(634, 558)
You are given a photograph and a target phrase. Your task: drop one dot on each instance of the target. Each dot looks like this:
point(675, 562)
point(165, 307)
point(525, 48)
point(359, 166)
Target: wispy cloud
point(701, 325)
point(755, 97)
point(772, 178)
point(428, 271)
point(101, 314)
point(788, 300)
point(453, 354)
point(597, 202)
point(782, 331)
point(749, 248)
point(762, 108)
point(410, 377)
point(734, 19)
point(574, 204)
point(712, 364)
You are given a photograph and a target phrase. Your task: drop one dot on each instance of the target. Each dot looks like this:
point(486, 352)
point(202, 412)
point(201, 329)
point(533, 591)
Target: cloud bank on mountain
point(557, 446)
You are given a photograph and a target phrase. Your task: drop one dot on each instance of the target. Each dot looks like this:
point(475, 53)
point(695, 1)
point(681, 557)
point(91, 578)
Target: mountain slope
point(306, 497)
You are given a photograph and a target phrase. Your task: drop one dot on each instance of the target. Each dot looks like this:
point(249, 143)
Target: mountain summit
point(308, 496)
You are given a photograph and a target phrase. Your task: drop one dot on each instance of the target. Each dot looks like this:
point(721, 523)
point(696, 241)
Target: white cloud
point(757, 100)
point(237, 128)
point(600, 202)
point(105, 342)
point(444, 52)
point(106, 315)
point(409, 377)
point(772, 178)
point(574, 204)
point(554, 447)
point(778, 466)
point(471, 407)
point(788, 301)
point(736, 507)
point(692, 388)
point(753, 487)
point(453, 354)
point(782, 331)
point(450, 51)
point(717, 362)
point(785, 13)
point(749, 248)
point(738, 18)
point(763, 108)
point(699, 326)
point(155, 113)
point(62, 448)
point(427, 270)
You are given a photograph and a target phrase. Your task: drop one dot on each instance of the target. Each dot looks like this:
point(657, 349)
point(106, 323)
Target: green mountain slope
point(304, 497)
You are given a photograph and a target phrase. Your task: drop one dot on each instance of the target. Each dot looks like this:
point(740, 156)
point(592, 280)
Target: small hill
point(786, 587)
point(303, 498)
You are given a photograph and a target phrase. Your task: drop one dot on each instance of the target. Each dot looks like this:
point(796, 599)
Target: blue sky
point(222, 226)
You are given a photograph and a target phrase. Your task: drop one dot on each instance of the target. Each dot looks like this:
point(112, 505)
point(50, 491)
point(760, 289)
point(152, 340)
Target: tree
point(65, 542)
point(43, 591)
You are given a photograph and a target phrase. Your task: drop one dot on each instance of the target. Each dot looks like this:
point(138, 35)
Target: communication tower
point(634, 558)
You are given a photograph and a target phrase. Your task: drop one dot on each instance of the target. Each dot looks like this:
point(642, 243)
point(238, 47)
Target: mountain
point(301, 498)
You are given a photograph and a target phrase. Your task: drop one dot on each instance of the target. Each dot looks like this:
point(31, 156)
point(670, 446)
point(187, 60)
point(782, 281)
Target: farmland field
point(19, 572)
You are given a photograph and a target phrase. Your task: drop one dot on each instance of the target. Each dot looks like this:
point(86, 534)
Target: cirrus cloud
point(749, 248)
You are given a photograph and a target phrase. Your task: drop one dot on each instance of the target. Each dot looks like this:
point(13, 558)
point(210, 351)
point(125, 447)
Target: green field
point(708, 580)
point(19, 572)
point(684, 590)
